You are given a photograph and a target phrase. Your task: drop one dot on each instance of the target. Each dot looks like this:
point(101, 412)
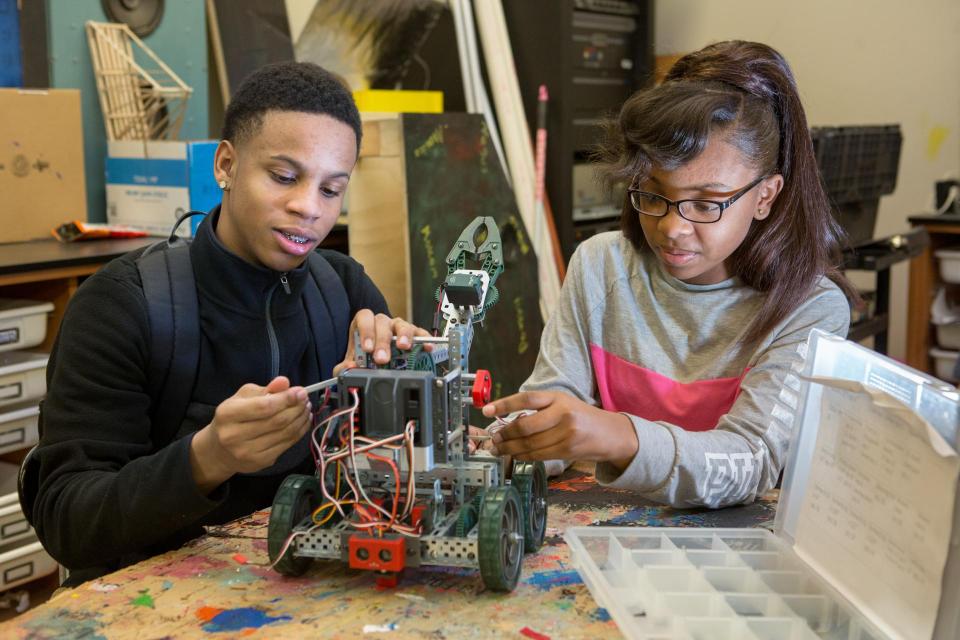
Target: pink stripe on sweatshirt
point(630, 388)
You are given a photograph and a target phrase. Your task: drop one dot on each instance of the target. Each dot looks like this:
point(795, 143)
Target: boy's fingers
point(404, 332)
point(365, 323)
point(384, 338)
point(289, 433)
point(278, 384)
point(349, 363)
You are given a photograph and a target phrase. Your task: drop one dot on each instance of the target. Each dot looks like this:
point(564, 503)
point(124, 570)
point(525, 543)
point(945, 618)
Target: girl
point(672, 357)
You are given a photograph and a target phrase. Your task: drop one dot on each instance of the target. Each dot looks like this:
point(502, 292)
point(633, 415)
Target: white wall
point(856, 62)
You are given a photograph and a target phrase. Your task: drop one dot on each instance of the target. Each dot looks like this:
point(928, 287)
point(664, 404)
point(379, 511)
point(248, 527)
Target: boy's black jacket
point(109, 496)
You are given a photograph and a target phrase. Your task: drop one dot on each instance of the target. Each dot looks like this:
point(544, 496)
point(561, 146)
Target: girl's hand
point(563, 428)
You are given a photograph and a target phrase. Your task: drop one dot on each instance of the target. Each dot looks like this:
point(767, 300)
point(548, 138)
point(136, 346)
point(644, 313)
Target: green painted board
point(453, 176)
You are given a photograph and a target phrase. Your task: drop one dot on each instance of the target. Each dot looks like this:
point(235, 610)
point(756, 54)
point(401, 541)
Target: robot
point(396, 486)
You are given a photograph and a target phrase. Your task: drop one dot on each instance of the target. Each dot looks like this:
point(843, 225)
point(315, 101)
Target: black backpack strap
point(171, 295)
point(330, 328)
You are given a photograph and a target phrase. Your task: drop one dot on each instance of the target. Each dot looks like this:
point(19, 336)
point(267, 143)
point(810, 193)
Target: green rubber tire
point(530, 480)
point(500, 539)
point(295, 501)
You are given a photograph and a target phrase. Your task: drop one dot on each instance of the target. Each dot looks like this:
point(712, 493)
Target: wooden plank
point(517, 141)
point(377, 214)
point(381, 136)
point(216, 45)
point(47, 274)
point(205, 588)
point(662, 64)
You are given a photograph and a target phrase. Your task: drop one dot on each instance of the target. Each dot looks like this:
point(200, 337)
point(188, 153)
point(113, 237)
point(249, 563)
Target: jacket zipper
point(271, 332)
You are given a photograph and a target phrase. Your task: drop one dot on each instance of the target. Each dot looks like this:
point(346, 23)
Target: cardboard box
point(41, 162)
point(150, 184)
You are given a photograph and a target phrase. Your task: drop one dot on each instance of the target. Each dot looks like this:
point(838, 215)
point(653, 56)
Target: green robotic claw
point(479, 241)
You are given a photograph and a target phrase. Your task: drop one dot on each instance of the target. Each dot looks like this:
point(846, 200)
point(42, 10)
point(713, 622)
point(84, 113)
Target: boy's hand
point(563, 428)
point(376, 335)
point(249, 431)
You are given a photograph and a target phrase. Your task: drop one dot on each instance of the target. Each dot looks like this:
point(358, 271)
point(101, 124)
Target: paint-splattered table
point(218, 587)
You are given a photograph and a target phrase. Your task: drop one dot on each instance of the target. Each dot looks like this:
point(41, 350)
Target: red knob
point(482, 384)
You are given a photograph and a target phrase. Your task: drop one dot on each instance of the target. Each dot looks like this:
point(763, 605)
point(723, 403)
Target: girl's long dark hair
point(746, 93)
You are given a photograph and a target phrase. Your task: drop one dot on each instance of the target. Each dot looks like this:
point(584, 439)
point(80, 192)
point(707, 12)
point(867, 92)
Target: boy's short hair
point(288, 86)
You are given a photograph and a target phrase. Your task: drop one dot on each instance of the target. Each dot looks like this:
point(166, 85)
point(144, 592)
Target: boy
point(111, 491)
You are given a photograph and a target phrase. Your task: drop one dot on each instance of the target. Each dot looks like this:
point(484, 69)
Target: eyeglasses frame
point(724, 205)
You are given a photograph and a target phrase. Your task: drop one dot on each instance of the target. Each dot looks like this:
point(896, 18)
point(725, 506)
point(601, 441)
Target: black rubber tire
point(295, 502)
point(500, 539)
point(530, 480)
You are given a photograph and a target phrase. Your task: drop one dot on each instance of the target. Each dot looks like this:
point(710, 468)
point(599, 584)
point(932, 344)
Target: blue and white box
point(152, 183)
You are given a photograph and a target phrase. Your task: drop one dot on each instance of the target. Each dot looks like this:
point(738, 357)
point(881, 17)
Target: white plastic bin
point(23, 376)
point(944, 362)
point(13, 524)
point(949, 260)
point(948, 335)
point(19, 427)
point(8, 477)
point(23, 323)
point(20, 563)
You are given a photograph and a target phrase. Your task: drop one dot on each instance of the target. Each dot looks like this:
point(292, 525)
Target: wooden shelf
point(944, 231)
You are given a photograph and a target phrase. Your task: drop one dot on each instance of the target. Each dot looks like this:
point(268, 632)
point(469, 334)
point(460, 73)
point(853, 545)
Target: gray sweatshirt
point(713, 421)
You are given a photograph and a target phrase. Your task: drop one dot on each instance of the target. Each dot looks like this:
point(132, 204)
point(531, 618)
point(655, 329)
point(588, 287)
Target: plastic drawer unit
point(23, 376)
point(23, 561)
point(13, 524)
point(850, 473)
point(19, 426)
point(23, 323)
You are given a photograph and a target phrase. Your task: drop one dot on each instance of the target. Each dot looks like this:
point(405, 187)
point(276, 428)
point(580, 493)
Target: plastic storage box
point(948, 335)
point(944, 362)
point(949, 260)
point(23, 376)
point(20, 563)
point(19, 426)
point(857, 165)
point(23, 323)
point(13, 524)
point(750, 584)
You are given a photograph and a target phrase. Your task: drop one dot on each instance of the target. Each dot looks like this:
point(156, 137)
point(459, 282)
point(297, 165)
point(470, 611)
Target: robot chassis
point(459, 510)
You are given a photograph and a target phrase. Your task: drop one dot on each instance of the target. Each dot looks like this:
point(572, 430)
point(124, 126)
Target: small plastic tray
point(736, 584)
point(23, 323)
point(23, 376)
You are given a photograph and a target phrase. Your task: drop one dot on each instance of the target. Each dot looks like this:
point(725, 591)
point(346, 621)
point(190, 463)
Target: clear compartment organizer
point(736, 584)
point(750, 584)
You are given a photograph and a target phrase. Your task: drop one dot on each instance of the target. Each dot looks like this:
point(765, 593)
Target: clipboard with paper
point(866, 541)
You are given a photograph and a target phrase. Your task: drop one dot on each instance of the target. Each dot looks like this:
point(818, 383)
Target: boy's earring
point(223, 184)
